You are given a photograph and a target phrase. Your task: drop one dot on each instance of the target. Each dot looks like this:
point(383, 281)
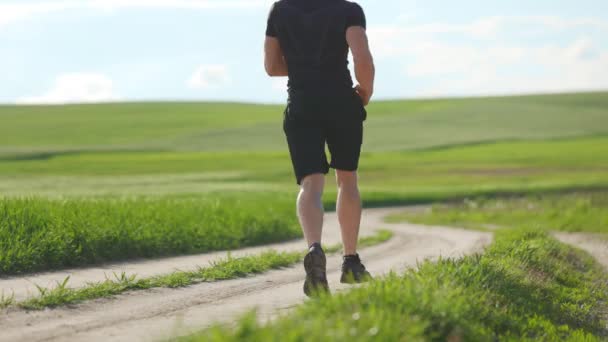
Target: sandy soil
point(161, 313)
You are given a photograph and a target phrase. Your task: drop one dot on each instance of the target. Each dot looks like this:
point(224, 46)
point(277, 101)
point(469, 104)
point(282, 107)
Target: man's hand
point(365, 95)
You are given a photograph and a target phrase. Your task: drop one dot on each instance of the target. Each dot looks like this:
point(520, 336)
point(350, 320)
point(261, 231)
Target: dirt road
point(593, 244)
point(160, 313)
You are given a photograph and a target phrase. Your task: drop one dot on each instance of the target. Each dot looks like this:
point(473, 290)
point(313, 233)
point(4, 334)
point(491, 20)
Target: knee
point(313, 184)
point(347, 180)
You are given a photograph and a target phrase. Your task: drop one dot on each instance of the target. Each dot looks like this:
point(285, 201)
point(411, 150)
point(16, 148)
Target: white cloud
point(480, 71)
point(391, 41)
point(16, 11)
point(559, 23)
point(76, 88)
point(437, 59)
point(10, 13)
point(485, 59)
point(179, 4)
point(209, 76)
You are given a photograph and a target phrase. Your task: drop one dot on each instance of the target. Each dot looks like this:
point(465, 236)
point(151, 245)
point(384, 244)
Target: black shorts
point(309, 129)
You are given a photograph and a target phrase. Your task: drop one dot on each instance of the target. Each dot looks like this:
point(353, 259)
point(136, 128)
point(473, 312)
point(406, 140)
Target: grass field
point(84, 184)
point(40, 234)
point(43, 131)
point(526, 286)
point(408, 175)
point(574, 212)
point(413, 150)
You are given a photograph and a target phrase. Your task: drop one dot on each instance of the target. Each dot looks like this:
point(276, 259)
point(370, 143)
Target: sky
point(72, 51)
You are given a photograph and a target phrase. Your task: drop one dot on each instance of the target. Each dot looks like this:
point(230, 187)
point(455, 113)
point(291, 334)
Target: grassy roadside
point(40, 234)
point(229, 268)
point(571, 212)
point(526, 286)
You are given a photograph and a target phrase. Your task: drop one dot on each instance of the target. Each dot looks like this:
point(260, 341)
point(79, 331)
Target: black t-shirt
point(312, 34)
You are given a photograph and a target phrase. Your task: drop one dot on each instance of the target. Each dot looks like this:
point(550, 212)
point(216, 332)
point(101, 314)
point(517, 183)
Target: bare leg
point(310, 207)
point(349, 209)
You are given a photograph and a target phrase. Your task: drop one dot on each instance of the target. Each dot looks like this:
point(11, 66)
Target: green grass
point(6, 300)
point(39, 131)
point(229, 268)
point(574, 212)
point(180, 158)
point(40, 234)
point(524, 166)
point(526, 286)
point(89, 221)
point(212, 176)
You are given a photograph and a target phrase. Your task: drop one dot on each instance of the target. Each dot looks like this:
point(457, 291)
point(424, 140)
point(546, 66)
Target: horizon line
point(261, 103)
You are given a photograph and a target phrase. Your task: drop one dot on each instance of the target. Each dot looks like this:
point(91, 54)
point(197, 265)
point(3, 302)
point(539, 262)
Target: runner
point(308, 41)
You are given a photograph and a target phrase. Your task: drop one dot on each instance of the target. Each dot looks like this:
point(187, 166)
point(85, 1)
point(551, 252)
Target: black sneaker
point(353, 271)
point(316, 275)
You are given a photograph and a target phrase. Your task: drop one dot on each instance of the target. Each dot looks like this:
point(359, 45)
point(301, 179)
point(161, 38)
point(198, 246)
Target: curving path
point(594, 244)
point(160, 313)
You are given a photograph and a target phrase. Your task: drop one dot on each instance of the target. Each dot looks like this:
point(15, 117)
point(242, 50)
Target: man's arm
point(365, 70)
point(274, 61)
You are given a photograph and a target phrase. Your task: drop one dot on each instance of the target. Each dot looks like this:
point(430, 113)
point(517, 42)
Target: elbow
point(275, 71)
point(270, 70)
point(268, 66)
point(275, 68)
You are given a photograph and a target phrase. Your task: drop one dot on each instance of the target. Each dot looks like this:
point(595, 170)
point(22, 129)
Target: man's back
point(312, 34)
